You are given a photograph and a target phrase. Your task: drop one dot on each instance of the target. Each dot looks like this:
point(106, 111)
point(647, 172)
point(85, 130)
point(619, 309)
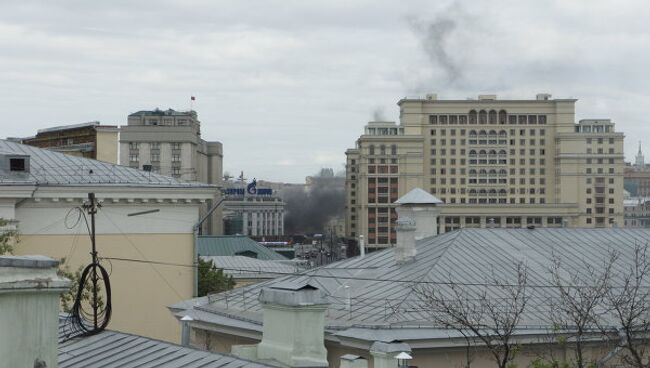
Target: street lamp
point(403, 359)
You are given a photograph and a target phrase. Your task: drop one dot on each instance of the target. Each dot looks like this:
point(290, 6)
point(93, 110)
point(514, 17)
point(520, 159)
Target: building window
point(176, 158)
point(176, 146)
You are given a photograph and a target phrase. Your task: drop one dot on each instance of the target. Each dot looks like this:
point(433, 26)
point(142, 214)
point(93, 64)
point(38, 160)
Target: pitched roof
point(232, 245)
point(245, 267)
point(51, 168)
point(110, 349)
point(418, 196)
point(382, 294)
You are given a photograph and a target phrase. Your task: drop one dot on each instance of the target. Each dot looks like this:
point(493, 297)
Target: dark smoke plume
point(378, 114)
point(308, 210)
point(434, 36)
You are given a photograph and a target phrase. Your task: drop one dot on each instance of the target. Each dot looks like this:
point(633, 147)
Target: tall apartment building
point(169, 142)
point(501, 163)
point(89, 140)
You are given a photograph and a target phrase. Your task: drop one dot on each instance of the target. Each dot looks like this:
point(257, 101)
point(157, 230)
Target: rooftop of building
point(242, 267)
point(375, 298)
point(485, 98)
point(168, 112)
point(111, 349)
point(50, 168)
point(58, 128)
point(235, 245)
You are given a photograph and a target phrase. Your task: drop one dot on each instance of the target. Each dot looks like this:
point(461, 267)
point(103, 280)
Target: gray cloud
point(297, 80)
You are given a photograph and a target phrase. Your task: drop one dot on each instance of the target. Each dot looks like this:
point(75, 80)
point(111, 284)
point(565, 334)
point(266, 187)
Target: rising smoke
point(378, 114)
point(308, 210)
point(436, 38)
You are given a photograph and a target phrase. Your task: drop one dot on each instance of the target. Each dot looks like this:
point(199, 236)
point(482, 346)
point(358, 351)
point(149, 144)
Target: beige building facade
point(89, 140)
point(495, 163)
point(169, 142)
point(145, 226)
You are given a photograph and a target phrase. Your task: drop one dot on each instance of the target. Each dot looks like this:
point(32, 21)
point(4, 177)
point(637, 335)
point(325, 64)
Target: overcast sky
point(287, 86)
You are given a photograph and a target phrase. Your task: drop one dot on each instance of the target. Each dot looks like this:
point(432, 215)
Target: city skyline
point(288, 89)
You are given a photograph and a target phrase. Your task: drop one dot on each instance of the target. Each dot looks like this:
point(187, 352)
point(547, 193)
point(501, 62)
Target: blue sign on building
point(250, 189)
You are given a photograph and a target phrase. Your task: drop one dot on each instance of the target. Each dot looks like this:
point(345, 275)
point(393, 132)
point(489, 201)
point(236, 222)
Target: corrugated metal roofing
point(375, 291)
point(111, 349)
point(246, 267)
point(54, 168)
point(232, 245)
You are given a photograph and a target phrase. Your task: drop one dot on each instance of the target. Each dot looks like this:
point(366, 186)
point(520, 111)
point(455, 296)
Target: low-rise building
point(89, 140)
point(253, 211)
point(145, 223)
point(373, 306)
point(637, 212)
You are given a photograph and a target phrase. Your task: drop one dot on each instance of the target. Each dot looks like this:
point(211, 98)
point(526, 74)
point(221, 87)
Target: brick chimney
point(293, 332)
point(417, 213)
point(29, 301)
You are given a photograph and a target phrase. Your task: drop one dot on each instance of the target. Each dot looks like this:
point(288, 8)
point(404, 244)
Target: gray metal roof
point(251, 268)
point(374, 292)
point(111, 349)
point(57, 169)
point(232, 245)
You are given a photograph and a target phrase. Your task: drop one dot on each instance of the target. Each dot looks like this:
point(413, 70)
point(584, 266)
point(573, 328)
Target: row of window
point(485, 117)
point(493, 152)
point(493, 133)
point(154, 145)
point(463, 181)
point(382, 149)
point(512, 142)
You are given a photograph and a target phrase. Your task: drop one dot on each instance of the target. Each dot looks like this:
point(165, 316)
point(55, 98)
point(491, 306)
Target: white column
point(276, 220)
point(254, 225)
point(244, 228)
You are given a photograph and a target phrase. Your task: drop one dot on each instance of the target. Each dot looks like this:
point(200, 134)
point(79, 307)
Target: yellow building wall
point(107, 146)
point(141, 292)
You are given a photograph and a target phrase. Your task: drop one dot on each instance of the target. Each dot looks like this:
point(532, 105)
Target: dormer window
point(17, 164)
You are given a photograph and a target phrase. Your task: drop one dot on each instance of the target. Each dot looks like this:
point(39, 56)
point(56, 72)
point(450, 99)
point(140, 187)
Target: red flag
point(193, 98)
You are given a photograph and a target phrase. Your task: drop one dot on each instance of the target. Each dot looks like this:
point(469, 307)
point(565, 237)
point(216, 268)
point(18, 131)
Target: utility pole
point(92, 211)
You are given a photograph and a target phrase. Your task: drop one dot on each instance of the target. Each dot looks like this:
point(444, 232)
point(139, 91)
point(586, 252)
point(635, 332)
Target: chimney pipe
point(362, 246)
point(384, 354)
point(29, 301)
point(293, 331)
point(417, 213)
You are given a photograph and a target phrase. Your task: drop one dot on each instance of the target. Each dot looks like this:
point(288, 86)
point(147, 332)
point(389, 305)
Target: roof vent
point(543, 96)
point(487, 97)
point(14, 163)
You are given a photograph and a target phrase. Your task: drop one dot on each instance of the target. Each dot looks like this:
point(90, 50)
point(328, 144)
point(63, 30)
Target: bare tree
point(486, 316)
point(577, 310)
point(628, 298)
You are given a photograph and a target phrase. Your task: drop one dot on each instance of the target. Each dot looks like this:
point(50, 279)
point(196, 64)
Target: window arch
point(503, 152)
point(482, 172)
point(493, 132)
point(472, 117)
point(493, 152)
point(503, 117)
point(393, 149)
point(503, 133)
point(493, 192)
point(472, 152)
point(482, 152)
point(472, 133)
point(472, 172)
point(482, 117)
point(382, 149)
point(503, 192)
point(493, 117)
point(493, 172)
point(472, 192)
point(503, 172)
point(482, 192)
